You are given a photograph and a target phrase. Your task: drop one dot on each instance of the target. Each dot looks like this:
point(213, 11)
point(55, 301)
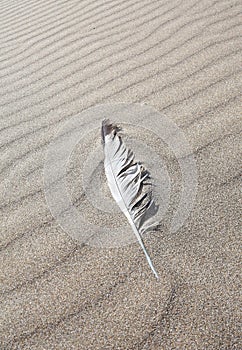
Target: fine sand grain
point(58, 58)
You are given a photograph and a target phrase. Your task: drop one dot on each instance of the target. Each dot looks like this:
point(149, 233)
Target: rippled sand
point(58, 58)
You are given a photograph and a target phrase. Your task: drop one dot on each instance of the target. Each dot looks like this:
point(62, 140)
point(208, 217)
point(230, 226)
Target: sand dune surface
point(59, 58)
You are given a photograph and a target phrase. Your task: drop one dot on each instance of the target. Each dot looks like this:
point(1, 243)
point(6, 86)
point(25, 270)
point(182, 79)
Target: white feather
point(126, 180)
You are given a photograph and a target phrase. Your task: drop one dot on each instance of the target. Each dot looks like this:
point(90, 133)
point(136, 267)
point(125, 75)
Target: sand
point(58, 58)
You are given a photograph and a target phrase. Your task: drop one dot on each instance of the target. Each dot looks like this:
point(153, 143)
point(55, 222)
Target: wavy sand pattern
point(57, 59)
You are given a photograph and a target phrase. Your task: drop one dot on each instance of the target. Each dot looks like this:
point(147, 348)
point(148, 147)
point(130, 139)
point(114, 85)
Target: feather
point(127, 181)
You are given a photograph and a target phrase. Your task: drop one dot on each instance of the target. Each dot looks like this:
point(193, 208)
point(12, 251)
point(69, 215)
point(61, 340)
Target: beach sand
point(58, 58)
